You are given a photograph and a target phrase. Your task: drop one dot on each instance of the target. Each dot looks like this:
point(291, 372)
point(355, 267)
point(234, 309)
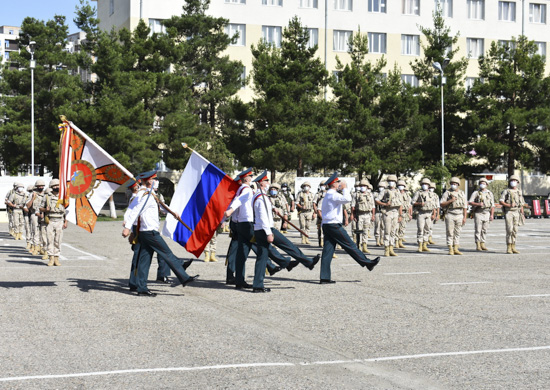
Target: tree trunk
point(511, 151)
point(273, 172)
point(300, 170)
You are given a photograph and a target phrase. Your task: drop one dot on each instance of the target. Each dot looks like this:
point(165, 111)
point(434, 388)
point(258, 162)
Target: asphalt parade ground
point(417, 321)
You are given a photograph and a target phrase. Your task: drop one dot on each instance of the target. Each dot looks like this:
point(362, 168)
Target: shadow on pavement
point(115, 285)
point(26, 284)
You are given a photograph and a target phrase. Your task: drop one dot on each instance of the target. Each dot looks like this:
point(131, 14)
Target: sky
point(14, 14)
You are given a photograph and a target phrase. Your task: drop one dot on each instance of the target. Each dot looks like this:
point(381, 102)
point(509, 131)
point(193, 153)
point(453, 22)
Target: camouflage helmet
point(369, 186)
point(514, 177)
point(391, 178)
point(425, 181)
point(455, 179)
point(383, 183)
point(305, 183)
point(364, 182)
point(482, 180)
point(432, 184)
point(275, 185)
point(39, 182)
point(401, 183)
point(54, 182)
point(30, 188)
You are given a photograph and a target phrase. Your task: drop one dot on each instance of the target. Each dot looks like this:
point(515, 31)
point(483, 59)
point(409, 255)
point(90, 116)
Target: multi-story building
point(392, 25)
point(8, 42)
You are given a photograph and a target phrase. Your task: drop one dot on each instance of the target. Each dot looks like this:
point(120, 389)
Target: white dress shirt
point(150, 214)
point(332, 205)
point(263, 215)
point(242, 204)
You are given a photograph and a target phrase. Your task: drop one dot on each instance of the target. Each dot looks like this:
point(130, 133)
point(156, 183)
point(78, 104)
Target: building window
point(476, 9)
point(236, 1)
point(541, 48)
point(232, 29)
point(111, 7)
point(272, 35)
point(474, 47)
point(410, 79)
point(343, 5)
point(537, 13)
point(336, 74)
point(446, 7)
point(378, 6)
point(508, 44)
point(340, 40)
point(377, 43)
point(274, 3)
point(507, 11)
point(410, 45)
point(156, 26)
point(313, 37)
point(7, 55)
point(7, 44)
point(411, 7)
point(11, 32)
point(308, 4)
point(470, 81)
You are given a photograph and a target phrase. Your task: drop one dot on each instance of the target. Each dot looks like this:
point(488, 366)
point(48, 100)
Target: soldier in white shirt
point(333, 230)
point(145, 210)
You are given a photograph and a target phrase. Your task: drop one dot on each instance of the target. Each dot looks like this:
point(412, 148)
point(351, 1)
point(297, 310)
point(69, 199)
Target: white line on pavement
point(86, 253)
point(527, 296)
point(253, 365)
point(406, 273)
point(457, 283)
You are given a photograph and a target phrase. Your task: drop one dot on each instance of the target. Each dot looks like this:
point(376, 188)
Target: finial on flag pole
point(185, 146)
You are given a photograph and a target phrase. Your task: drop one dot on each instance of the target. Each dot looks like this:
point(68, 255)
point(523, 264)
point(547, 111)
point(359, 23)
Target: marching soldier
point(512, 202)
point(304, 204)
point(16, 201)
point(35, 216)
point(483, 203)
point(335, 233)
point(210, 249)
point(279, 202)
point(455, 205)
point(363, 212)
point(378, 220)
point(390, 201)
point(290, 205)
point(406, 214)
point(424, 203)
point(55, 215)
point(43, 223)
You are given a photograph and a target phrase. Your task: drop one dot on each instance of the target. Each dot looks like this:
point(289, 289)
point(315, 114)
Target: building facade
point(392, 25)
point(8, 42)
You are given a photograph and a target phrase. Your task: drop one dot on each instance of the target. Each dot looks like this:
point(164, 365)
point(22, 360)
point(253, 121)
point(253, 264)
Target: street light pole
point(30, 49)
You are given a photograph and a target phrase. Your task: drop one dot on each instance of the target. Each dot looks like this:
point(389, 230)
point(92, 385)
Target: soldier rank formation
point(258, 220)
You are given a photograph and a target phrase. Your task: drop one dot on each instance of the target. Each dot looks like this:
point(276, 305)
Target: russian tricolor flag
point(203, 194)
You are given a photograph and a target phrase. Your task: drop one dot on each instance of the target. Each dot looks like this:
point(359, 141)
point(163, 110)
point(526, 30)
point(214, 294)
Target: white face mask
point(20, 189)
point(483, 186)
point(363, 189)
point(513, 184)
point(273, 192)
point(432, 189)
point(454, 186)
point(306, 188)
point(380, 189)
point(368, 190)
point(425, 187)
point(391, 184)
point(400, 188)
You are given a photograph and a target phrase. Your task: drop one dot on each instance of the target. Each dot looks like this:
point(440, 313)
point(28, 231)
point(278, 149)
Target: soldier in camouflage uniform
point(57, 222)
point(406, 212)
point(317, 202)
point(17, 202)
point(35, 216)
point(210, 249)
point(437, 206)
point(483, 203)
point(363, 212)
point(43, 250)
point(278, 201)
point(512, 202)
point(378, 220)
point(290, 205)
point(455, 205)
point(424, 203)
point(390, 201)
point(27, 216)
point(9, 209)
point(304, 204)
